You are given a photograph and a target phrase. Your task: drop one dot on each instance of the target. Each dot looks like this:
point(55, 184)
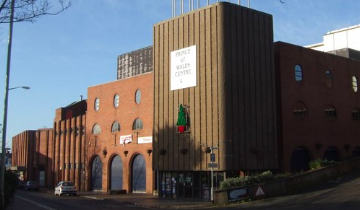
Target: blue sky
point(60, 56)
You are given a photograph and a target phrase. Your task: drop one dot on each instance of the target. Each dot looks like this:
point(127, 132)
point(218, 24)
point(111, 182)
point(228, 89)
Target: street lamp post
point(2, 190)
point(23, 87)
point(3, 140)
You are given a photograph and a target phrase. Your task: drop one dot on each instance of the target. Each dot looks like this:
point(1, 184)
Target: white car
point(64, 187)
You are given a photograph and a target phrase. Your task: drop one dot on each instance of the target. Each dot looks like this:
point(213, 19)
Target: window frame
point(329, 78)
point(355, 83)
point(116, 100)
point(138, 96)
point(97, 104)
point(330, 112)
point(93, 129)
point(112, 127)
point(355, 114)
point(300, 110)
point(298, 73)
point(135, 123)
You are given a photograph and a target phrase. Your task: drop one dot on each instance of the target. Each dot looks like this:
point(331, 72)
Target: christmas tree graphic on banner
point(181, 122)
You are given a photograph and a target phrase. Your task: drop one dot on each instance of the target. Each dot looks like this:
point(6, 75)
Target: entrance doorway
point(187, 184)
point(116, 173)
point(300, 159)
point(96, 174)
point(138, 174)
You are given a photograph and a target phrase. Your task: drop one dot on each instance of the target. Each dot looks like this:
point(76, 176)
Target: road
point(341, 194)
point(24, 200)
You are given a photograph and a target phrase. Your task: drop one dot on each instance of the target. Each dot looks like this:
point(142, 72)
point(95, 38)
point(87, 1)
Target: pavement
point(146, 200)
point(342, 193)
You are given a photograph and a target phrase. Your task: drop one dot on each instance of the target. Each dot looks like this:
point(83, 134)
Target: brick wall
point(318, 90)
point(106, 145)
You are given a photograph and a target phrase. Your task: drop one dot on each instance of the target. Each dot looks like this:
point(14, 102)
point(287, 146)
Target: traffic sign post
point(212, 165)
point(212, 157)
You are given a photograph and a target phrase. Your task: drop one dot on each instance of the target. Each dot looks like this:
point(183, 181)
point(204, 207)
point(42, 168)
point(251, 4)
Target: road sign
point(212, 157)
point(259, 191)
point(212, 165)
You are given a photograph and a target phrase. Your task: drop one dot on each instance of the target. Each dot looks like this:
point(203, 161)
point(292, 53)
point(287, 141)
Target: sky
point(60, 56)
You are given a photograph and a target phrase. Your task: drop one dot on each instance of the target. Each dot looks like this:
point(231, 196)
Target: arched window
point(300, 109)
point(96, 174)
point(298, 73)
point(96, 129)
point(138, 96)
point(97, 104)
point(354, 82)
point(115, 127)
point(331, 153)
point(116, 173)
point(356, 114)
point(138, 172)
point(137, 124)
point(116, 100)
point(330, 111)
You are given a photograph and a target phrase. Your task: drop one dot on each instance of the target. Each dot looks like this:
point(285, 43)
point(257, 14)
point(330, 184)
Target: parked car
point(64, 187)
point(31, 185)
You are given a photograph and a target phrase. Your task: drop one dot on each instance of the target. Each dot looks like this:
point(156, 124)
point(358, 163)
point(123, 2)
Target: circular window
point(298, 73)
point(116, 100)
point(137, 96)
point(97, 104)
point(354, 82)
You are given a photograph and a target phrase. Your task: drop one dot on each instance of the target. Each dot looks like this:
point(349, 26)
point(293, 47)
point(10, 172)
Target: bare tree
point(31, 10)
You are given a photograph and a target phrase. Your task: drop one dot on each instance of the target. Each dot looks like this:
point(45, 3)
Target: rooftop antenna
point(174, 8)
point(208, 3)
point(182, 6)
point(81, 97)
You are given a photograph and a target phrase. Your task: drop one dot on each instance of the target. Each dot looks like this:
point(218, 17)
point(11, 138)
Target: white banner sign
point(125, 139)
point(183, 68)
point(145, 140)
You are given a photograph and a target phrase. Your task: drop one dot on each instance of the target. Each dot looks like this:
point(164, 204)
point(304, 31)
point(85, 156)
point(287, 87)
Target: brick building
point(261, 105)
point(69, 153)
point(23, 150)
point(228, 52)
point(261, 109)
point(319, 103)
point(69, 158)
point(32, 154)
point(119, 131)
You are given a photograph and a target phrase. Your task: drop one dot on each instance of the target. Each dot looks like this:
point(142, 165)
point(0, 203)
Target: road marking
point(92, 197)
point(35, 203)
